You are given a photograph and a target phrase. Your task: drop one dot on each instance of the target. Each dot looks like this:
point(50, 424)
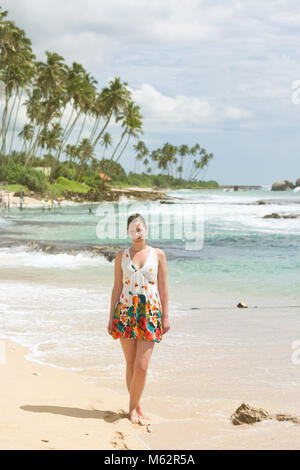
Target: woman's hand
point(165, 324)
point(109, 326)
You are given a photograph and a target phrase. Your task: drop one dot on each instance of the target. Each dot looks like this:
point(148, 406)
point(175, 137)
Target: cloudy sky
point(219, 73)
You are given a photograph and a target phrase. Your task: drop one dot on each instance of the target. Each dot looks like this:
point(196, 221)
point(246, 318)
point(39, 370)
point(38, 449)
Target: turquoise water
point(243, 254)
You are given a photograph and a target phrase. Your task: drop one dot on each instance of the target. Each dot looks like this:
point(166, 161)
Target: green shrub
point(16, 174)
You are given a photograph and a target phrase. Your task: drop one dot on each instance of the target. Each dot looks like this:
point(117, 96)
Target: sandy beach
point(44, 407)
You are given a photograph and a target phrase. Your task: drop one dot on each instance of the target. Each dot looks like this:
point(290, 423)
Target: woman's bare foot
point(133, 416)
point(141, 413)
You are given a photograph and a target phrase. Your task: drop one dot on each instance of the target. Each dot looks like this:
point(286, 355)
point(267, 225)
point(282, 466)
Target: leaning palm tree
point(132, 121)
point(141, 152)
point(26, 134)
point(16, 70)
point(85, 153)
point(112, 101)
point(106, 141)
point(183, 151)
point(70, 151)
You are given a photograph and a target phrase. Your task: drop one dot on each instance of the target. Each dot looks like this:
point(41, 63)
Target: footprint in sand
point(119, 441)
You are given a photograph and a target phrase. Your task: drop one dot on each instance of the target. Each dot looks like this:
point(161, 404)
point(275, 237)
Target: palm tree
point(112, 101)
point(141, 151)
point(132, 121)
point(183, 151)
point(85, 153)
point(47, 96)
point(106, 141)
point(70, 152)
point(26, 134)
point(191, 162)
point(16, 70)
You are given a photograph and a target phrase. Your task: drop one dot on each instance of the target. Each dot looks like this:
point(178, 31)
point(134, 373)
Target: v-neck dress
point(138, 312)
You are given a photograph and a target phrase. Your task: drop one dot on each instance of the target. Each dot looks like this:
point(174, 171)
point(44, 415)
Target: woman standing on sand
point(139, 308)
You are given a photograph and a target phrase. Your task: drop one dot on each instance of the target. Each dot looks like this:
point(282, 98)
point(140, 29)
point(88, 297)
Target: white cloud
point(159, 108)
point(237, 113)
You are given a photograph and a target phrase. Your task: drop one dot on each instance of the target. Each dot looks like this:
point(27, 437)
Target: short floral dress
point(138, 312)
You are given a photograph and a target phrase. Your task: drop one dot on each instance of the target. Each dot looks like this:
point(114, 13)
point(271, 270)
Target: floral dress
point(138, 312)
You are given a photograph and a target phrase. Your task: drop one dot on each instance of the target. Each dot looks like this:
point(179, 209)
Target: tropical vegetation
point(67, 128)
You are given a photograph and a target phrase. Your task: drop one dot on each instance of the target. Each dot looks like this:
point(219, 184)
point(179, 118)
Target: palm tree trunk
point(101, 132)
point(69, 120)
point(10, 113)
point(32, 148)
point(3, 129)
point(68, 133)
point(15, 122)
point(81, 129)
point(117, 146)
point(123, 148)
point(95, 126)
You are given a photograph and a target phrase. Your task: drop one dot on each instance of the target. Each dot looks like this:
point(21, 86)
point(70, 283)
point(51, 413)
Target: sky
point(224, 74)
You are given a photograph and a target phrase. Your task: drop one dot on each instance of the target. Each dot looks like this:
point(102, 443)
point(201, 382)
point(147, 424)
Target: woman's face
point(136, 230)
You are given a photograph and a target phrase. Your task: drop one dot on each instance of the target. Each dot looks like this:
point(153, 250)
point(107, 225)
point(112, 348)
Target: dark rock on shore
point(246, 414)
point(282, 185)
point(108, 251)
point(274, 215)
point(114, 194)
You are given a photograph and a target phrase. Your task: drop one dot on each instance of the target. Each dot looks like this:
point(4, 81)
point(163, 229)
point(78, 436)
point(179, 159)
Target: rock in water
point(246, 414)
point(282, 185)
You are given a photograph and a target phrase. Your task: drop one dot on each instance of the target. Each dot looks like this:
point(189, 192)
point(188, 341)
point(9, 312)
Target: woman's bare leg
point(143, 354)
point(129, 349)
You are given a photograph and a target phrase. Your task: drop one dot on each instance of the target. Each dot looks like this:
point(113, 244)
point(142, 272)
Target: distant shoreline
point(114, 193)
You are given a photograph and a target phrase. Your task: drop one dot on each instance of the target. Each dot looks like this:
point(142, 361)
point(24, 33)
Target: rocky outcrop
point(113, 194)
point(246, 414)
point(282, 186)
point(108, 251)
point(274, 215)
point(298, 182)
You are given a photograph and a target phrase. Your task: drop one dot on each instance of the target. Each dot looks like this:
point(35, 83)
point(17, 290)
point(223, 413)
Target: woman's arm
point(118, 283)
point(163, 289)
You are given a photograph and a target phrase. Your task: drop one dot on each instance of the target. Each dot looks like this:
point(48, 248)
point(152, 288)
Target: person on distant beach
point(21, 198)
point(139, 308)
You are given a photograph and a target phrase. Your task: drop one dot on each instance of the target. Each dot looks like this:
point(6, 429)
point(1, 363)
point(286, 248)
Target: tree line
point(49, 89)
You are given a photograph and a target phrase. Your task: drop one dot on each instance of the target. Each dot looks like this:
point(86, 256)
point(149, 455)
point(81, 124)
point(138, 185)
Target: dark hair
point(135, 216)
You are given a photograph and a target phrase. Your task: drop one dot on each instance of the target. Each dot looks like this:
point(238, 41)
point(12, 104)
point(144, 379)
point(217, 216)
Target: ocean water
point(58, 304)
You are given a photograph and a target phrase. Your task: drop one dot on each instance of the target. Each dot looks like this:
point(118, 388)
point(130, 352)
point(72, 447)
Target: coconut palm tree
point(70, 151)
point(26, 134)
point(112, 101)
point(192, 152)
point(85, 153)
point(106, 141)
point(16, 70)
point(183, 151)
point(141, 152)
point(132, 122)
